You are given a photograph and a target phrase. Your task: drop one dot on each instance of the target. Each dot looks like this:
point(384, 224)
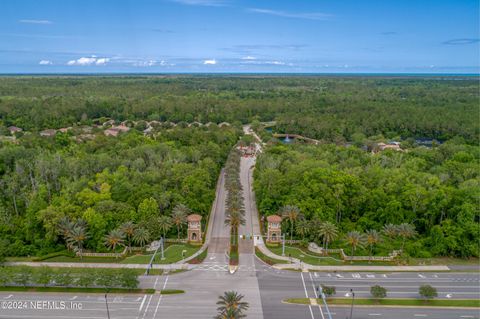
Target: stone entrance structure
point(194, 230)
point(274, 230)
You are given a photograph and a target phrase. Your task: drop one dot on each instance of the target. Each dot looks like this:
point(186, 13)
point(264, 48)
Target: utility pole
point(283, 244)
point(351, 308)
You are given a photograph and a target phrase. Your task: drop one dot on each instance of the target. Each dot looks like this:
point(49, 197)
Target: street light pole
point(351, 308)
point(161, 245)
point(283, 244)
point(106, 303)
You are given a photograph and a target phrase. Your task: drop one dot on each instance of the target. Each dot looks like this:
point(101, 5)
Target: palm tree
point(390, 230)
point(64, 228)
point(128, 229)
point(179, 216)
point(303, 227)
point(329, 232)
point(76, 237)
point(373, 238)
point(354, 239)
point(231, 306)
point(141, 236)
point(405, 231)
point(234, 219)
point(114, 238)
point(165, 223)
point(292, 214)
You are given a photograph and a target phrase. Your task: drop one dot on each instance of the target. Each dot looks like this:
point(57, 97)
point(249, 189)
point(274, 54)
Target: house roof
point(274, 219)
point(194, 218)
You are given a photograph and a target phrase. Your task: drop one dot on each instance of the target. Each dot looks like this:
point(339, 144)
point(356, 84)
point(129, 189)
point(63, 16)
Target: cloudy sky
point(321, 36)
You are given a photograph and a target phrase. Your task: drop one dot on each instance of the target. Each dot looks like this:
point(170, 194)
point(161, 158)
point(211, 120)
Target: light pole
point(351, 308)
point(283, 244)
point(106, 303)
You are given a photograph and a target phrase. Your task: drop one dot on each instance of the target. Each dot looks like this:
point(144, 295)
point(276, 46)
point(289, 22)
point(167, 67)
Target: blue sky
point(322, 36)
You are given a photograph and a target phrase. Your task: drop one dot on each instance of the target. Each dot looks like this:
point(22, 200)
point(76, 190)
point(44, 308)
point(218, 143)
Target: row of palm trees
point(75, 233)
point(328, 232)
point(235, 209)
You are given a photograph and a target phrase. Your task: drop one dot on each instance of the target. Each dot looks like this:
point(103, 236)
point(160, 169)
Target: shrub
point(378, 292)
point(427, 292)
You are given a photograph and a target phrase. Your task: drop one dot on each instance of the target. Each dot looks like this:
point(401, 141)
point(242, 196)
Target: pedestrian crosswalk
point(222, 267)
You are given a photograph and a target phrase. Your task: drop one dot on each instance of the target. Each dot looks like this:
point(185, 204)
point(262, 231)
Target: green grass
point(315, 259)
point(153, 272)
point(173, 253)
point(200, 258)
point(172, 291)
point(78, 289)
point(268, 260)
point(475, 303)
point(67, 259)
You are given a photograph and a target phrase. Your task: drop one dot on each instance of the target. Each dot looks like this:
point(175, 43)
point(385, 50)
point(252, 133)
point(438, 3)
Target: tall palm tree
point(179, 217)
point(234, 219)
point(354, 239)
point(230, 305)
point(303, 227)
point(141, 236)
point(128, 228)
point(165, 223)
point(292, 214)
point(373, 238)
point(329, 232)
point(115, 238)
point(405, 231)
point(77, 235)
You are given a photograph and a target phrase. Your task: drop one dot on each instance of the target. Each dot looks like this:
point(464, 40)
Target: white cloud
point(102, 61)
point(300, 15)
point(210, 62)
point(275, 62)
point(35, 21)
point(145, 63)
point(45, 62)
point(83, 61)
point(249, 58)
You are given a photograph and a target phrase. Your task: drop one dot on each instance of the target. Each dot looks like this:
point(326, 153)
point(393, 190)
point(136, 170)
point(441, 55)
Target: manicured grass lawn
point(268, 260)
point(153, 272)
point(314, 259)
point(78, 289)
point(66, 259)
point(173, 253)
point(304, 256)
point(475, 303)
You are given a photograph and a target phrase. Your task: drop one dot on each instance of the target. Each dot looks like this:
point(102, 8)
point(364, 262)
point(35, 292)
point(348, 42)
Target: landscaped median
point(468, 303)
point(268, 260)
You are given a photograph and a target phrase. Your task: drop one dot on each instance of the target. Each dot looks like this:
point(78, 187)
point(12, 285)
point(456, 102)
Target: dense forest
point(51, 187)
point(328, 108)
point(77, 187)
point(430, 192)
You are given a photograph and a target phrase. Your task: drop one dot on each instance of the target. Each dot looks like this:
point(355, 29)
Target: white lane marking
point(466, 317)
point(316, 296)
point(374, 314)
point(448, 295)
point(306, 295)
point(74, 297)
point(160, 299)
point(356, 276)
point(150, 299)
point(339, 276)
point(384, 276)
point(421, 276)
point(315, 274)
point(138, 299)
point(141, 305)
point(419, 315)
point(9, 296)
point(370, 276)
